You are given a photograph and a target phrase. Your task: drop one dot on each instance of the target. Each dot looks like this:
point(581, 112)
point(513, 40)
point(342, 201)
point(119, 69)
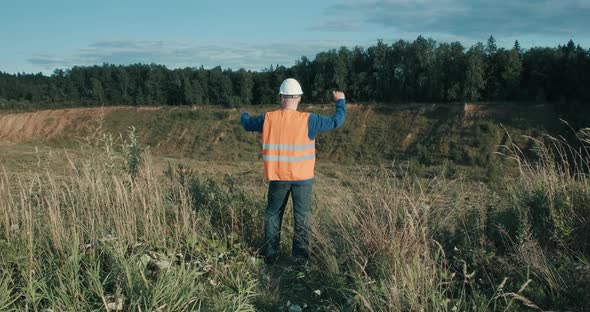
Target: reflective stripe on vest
point(287, 158)
point(288, 147)
point(287, 151)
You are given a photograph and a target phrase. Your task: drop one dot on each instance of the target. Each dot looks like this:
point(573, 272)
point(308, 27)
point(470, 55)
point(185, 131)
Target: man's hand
point(338, 95)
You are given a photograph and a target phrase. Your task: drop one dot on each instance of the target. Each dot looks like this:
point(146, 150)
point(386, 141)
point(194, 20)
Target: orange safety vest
point(287, 151)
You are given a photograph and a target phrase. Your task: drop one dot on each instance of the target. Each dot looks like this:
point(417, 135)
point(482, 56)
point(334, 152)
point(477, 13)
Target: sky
point(40, 36)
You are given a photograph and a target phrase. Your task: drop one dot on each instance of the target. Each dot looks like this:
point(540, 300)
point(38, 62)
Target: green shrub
point(456, 154)
point(551, 200)
point(232, 212)
point(220, 115)
point(493, 175)
point(557, 216)
point(133, 153)
point(423, 154)
point(183, 114)
point(482, 158)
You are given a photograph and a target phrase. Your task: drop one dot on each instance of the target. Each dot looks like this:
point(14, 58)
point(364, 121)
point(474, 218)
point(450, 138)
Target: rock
point(145, 259)
point(163, 264)
point(117, 305)
point(295, 308)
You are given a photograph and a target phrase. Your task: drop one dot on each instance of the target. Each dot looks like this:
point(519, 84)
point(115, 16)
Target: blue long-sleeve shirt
point(316, 124)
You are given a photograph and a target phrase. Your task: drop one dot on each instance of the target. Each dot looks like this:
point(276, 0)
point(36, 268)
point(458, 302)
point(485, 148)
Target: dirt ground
point(47, 124)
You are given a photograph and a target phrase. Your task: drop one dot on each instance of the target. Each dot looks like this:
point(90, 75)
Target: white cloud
point(233, 55)
point(469, 18)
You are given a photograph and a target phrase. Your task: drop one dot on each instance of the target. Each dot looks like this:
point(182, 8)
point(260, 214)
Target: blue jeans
point(278, 195)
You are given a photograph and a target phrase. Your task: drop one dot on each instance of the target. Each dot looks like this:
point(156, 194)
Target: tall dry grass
point(554, 191)
point(384, 238)
point(551, 201)
point(108, 232)
point(92, 203)
point(95, 236)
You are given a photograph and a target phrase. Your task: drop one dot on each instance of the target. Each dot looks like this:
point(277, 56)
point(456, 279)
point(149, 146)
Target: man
point(288, 153)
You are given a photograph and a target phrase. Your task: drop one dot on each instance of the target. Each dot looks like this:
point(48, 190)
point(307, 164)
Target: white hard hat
point(290, 86)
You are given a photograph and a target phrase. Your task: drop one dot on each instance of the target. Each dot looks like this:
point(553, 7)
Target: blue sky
point(39, 36)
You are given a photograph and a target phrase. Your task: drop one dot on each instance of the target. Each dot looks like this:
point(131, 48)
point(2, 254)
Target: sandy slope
point(49, 124)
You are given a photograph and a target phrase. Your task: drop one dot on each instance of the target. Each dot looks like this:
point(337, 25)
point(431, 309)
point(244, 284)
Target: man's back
point(287, 151)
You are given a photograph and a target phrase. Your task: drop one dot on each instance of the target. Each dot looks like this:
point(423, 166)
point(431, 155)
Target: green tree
point(325, 77)
point(359, 89)
point(263, 93)
point(246, 86)
point(474, 73)
point(402, 71)
point(491, 46)
point(399, 56)
point(303, 73)
point(124, 84)
point(97, 90)
point(492, 69)
point(517, 48)
point(510, 73)
point(423, 61)
point(379, 80)
point(155, 84)
point(341, 69)
point(189, 94)
point(449, 70)
point(220, 87)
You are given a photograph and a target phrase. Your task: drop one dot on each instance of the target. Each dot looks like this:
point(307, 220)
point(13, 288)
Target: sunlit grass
point(110, 232)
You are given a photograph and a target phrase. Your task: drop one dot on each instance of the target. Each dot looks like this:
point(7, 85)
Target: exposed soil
point(48, 124)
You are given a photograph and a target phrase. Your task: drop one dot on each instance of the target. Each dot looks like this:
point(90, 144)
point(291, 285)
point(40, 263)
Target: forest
point(400, 72)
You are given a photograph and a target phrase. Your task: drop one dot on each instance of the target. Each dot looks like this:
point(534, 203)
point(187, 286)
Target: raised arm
point(252, 123)
point(318, 123)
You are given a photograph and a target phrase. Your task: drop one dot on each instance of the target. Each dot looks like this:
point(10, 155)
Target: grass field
point(95, 221)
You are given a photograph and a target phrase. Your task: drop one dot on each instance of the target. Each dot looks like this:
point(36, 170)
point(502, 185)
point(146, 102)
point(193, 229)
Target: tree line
point(418, 71)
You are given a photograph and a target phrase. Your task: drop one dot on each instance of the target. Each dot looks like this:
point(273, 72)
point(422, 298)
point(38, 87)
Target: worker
point(288, 154)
